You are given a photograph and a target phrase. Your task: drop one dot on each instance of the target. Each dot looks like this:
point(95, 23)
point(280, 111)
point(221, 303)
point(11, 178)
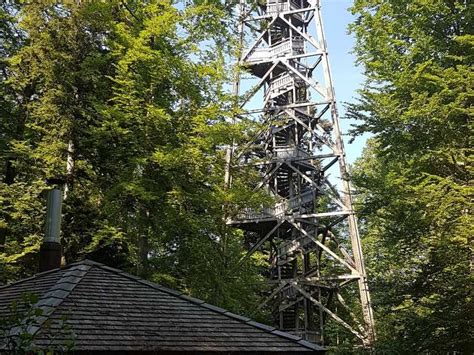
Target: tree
point(161, 141)
point(127, 101)
point(23, 315)
point(415, 178)
point(54, 76)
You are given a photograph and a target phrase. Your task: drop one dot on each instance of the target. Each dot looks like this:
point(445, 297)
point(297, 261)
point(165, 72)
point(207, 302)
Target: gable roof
point(109, 310)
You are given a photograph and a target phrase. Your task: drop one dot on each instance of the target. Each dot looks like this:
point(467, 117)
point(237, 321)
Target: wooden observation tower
point(310, 234)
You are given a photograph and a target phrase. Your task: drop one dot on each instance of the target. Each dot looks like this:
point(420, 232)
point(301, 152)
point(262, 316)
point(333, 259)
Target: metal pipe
point(53, 216)
point(50, 250)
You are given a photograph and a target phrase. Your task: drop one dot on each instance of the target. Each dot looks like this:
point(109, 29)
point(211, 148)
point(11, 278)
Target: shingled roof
point(108, 310)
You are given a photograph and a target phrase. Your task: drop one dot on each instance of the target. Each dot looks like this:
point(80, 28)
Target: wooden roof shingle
point(107, 310)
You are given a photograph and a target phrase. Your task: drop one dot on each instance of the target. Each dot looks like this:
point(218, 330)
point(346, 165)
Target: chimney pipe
point(50, 250)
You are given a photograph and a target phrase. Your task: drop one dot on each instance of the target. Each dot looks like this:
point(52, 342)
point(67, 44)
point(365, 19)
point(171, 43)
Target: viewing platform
point(288, 47)
point(275, 7)
point(278, 211)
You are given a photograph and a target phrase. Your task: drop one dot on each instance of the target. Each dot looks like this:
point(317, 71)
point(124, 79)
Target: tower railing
point(311, 224)
point(277, 7)
point(288, 46)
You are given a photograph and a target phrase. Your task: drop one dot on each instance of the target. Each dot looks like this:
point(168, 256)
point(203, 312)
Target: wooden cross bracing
point(311, 231)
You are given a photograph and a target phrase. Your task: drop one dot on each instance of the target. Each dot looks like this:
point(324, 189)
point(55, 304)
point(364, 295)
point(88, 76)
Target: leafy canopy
point(415, 177)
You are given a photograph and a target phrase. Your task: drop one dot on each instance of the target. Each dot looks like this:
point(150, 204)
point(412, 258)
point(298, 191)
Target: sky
point(347, 77)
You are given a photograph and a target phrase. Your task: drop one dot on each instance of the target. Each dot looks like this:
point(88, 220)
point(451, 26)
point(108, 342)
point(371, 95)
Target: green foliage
point(16, 336)
point(417, 232)
point(415, 178)
point(127, 101)
point(55, 77)
point(14, 329)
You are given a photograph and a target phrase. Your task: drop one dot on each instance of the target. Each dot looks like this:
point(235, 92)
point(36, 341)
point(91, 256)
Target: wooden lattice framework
point(310, 234)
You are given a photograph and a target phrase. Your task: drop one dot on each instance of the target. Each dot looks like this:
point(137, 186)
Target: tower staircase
point(293, 158)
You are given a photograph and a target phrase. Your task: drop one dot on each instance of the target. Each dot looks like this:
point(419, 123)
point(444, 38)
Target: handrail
point(293, 245)
point(288, 46)
point(277, 7)
point(279, 82)
point(279, 210)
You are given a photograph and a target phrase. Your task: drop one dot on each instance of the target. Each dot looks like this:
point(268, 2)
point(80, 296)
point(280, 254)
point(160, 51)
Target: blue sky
point(347, 76)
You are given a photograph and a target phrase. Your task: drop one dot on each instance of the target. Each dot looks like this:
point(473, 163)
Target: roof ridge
point(222, 311)
point(50, 300)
